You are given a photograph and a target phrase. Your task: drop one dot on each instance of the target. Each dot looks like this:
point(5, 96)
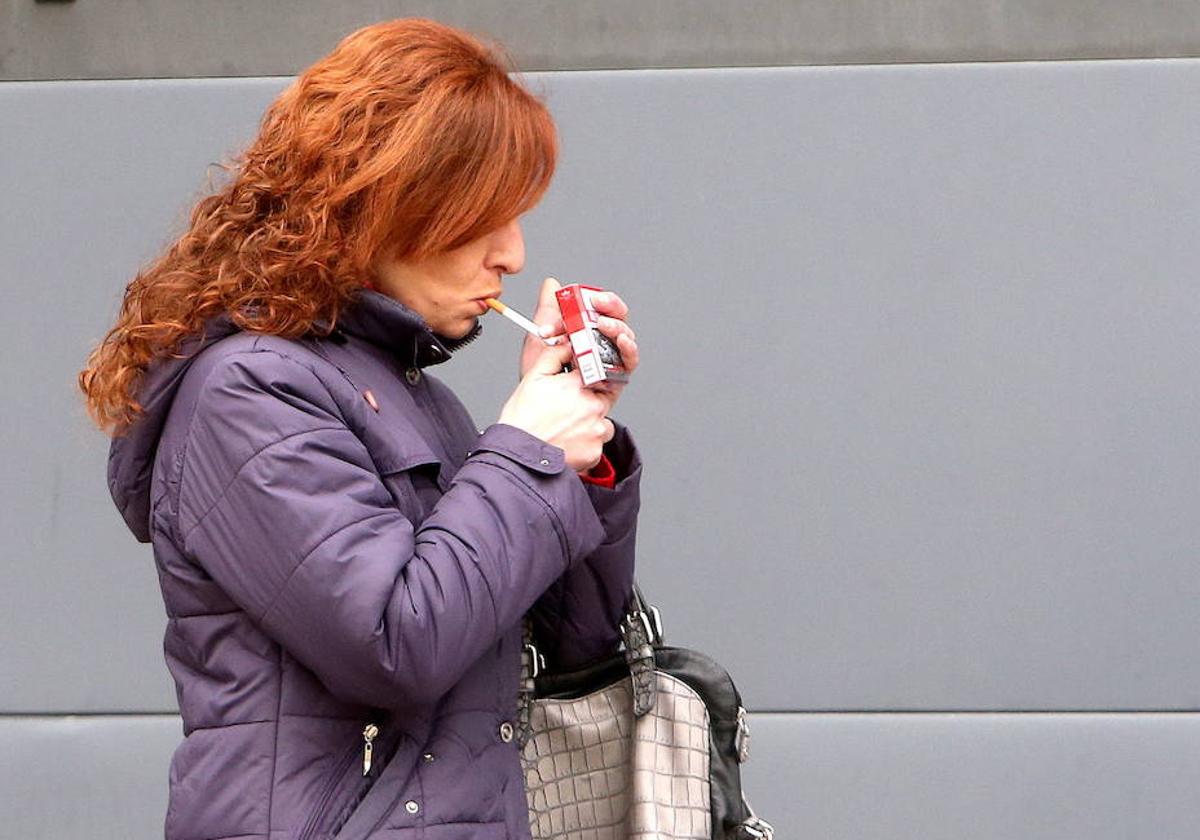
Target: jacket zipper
point(369, 734)
point(370, 731)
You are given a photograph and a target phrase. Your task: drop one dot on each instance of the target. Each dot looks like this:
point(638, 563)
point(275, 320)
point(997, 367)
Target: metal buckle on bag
point(742, 742)
point(656, 620)
point(632, 620)
point(754, 825)
point(536, 659)
point(651, 622)
point(759, 828)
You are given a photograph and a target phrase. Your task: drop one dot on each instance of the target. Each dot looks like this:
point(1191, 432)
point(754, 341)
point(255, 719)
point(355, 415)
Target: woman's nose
point(508, 248)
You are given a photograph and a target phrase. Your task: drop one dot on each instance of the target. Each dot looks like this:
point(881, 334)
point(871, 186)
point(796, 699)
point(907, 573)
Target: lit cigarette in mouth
point(518, 319)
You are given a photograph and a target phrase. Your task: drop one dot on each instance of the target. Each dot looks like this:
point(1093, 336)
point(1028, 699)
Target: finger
point(610, 303)
point(547, 339)
point(551, 360)
point(630, 354)
point(600, 404)
point(546, 311)
point(610, 397)
point(610, 430)
point(612, 328)
point(553, 328)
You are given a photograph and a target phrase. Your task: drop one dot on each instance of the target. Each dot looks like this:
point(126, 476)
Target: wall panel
point(918, 407)
point(132, 39)
point(837, 777)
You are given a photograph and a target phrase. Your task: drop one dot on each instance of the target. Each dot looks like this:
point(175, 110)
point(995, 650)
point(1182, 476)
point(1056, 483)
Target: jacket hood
point(370, 315)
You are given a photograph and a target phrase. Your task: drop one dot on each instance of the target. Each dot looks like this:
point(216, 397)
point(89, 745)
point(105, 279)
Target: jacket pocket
point(353, 774)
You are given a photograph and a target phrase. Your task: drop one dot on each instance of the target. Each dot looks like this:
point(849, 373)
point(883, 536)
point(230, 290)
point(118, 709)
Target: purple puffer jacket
point(345, 585)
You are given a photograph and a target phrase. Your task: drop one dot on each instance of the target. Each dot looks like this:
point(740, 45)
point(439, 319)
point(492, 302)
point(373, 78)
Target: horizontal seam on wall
point(976, 712)
point(1183, 57)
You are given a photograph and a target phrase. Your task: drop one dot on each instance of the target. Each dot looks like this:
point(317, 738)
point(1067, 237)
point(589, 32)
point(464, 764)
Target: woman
point(345, 560)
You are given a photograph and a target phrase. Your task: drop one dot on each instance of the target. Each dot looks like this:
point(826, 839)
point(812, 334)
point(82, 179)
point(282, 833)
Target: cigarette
point(518, 319)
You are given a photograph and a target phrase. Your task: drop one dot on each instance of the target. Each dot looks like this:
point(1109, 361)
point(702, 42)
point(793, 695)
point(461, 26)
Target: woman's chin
point(457, 329)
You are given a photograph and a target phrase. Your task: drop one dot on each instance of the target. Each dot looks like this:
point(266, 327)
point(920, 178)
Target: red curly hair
point(407, 140)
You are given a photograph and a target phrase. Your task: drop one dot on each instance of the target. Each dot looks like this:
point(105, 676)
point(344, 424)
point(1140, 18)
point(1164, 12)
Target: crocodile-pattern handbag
point(645, 744)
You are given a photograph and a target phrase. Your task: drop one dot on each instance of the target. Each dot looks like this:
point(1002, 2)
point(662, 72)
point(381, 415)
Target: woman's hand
point(613, 314)
point(556, 408)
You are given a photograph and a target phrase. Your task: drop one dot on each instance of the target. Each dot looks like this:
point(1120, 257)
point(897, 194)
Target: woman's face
point(448, 289)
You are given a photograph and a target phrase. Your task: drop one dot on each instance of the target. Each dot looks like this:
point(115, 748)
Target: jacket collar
point(387, 323)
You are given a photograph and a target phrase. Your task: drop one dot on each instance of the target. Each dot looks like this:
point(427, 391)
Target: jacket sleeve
point(281, 504)
point(575, 621)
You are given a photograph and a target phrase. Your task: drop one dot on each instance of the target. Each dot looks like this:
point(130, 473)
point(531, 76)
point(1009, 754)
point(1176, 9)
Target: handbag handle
point(641, 633)
point(639, 611)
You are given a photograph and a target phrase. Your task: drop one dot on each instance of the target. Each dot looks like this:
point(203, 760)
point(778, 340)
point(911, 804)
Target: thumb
point(546, 311)
point(551, 360)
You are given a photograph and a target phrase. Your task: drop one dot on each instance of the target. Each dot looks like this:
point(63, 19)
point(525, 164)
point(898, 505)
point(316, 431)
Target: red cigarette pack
point(596, 357)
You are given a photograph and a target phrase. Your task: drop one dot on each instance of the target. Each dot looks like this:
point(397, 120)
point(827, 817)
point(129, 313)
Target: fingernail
point(544, 330)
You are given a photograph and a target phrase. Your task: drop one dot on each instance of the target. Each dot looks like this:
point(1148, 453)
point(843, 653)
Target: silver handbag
point(646, 743)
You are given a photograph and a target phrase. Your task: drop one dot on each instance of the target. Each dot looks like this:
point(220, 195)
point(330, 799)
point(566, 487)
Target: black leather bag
point(647, 743)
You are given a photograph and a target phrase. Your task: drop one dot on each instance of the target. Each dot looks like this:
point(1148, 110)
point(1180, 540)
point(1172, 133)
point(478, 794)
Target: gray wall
point(136, 39)
point(918, 403)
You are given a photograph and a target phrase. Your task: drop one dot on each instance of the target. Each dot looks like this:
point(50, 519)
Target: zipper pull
point(369, 733)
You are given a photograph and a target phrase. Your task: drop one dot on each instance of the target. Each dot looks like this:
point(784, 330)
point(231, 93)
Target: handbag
point(645, 743)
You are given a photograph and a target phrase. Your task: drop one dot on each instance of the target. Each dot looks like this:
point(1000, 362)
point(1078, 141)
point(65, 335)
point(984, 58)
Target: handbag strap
point(532, 662)
point(641, 632)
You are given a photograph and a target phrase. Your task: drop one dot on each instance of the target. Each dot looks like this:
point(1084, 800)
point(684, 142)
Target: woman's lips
point(482, 301)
